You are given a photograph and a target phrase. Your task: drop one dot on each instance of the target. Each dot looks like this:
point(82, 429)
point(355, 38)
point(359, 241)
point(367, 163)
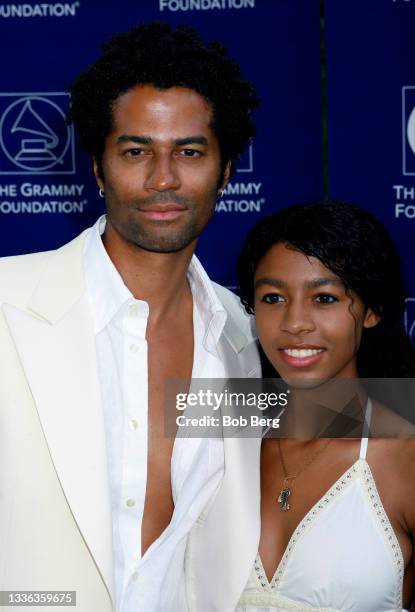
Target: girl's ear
point(371, 319)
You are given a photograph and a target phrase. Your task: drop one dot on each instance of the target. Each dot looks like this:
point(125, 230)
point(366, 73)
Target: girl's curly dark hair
point(156, 54)
point(354, 245)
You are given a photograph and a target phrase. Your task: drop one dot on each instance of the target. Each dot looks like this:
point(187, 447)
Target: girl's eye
point(272, 298)
point(326, 298)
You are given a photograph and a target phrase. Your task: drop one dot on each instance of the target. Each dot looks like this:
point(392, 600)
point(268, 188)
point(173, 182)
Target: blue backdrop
point(48, 194)
point(371, 115)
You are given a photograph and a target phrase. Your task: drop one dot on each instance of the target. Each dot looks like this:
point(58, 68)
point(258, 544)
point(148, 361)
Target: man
point(94, 498)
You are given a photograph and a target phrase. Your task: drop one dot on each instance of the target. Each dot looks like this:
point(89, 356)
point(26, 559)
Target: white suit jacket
point(55, 523)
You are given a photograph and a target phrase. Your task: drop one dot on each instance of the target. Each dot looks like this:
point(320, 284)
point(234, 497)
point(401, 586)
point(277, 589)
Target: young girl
point(337, 515)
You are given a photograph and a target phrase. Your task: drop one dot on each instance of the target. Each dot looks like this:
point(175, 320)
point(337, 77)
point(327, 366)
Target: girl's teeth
point(301, 353)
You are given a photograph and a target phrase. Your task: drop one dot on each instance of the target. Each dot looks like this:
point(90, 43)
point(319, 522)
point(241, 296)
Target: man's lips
point(163, 212)
point(301, 355)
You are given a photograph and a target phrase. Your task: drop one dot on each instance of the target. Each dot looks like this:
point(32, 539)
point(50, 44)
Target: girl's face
point(309, 328)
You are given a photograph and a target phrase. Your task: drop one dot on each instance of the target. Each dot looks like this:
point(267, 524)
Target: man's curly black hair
point(354, 245)
point(156, 54)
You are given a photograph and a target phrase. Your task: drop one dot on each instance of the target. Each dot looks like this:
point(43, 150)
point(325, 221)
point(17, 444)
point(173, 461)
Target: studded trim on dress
point(347, 478)
point(280, 603)
point(359, 468)
point(386, 529)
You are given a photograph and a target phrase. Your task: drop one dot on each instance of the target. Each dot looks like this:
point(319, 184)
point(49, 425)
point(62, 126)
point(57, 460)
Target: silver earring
point(101, 193)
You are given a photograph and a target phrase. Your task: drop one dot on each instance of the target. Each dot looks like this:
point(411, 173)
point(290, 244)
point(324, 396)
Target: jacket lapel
point(55, 342)
point(224, 542)
point(239, 500)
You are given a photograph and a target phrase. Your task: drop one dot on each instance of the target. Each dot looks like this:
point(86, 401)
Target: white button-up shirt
point(120, 323)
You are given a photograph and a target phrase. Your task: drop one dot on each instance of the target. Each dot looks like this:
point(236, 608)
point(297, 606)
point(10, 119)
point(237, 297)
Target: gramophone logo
point(408, 130)
point(34, 137)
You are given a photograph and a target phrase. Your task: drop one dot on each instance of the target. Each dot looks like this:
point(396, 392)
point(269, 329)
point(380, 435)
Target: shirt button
point(135, 576)
point(134, 423)
point(133, 348)
point(130, 502)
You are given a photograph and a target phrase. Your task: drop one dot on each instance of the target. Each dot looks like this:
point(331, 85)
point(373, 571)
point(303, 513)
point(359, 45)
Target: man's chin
point(163, 245)
point(161, 240)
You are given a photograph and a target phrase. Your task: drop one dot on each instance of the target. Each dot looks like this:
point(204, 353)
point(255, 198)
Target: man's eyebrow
point(147, 140)
point(202, 140)
point(312, 284)
point(144, 140)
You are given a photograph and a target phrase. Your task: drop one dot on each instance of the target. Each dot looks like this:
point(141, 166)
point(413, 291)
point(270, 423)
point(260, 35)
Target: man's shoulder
point(20, 274)
point(235, 310)
point(19, 263)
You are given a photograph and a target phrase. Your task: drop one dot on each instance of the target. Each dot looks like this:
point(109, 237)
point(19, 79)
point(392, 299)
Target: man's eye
point(272, 298)
point(191, 153)
point(326, 298)
point(134, 152)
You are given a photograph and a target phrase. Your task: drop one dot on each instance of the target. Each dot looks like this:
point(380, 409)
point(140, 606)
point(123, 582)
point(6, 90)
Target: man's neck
point(160, 279)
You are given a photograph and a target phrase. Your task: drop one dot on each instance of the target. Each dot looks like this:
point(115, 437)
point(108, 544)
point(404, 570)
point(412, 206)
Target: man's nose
point(297, 318)
point(162, 174)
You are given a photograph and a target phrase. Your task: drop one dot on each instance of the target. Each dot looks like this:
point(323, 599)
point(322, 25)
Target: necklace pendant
point(283, 499)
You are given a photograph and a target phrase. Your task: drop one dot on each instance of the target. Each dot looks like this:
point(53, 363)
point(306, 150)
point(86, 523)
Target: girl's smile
point(308, 324)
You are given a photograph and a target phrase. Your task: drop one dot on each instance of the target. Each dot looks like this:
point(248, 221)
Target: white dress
point(343, 556)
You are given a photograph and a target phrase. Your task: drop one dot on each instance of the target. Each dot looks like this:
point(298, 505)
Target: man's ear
point(371, 319)
point(226, 176)
point(97, 174)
